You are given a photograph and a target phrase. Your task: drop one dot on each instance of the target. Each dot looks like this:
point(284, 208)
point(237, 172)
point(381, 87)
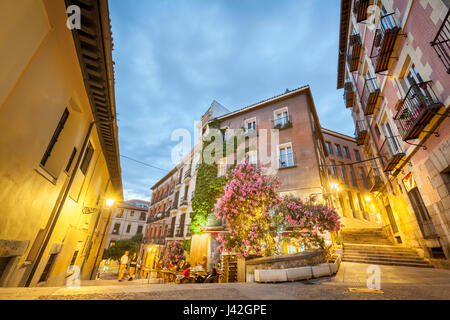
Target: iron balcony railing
point(349, 95)
point(370, 94)
point(171, 190)
point(180, 231)
point(170, 233)
point(384, 42)
point(354, 53)
point(282, 122)
point(417, 109)
point(187, 174)
point(391, 153)
point(374, 178)
point(360, 132)
point(441, 43)
point(360, 9)
point(184, 203)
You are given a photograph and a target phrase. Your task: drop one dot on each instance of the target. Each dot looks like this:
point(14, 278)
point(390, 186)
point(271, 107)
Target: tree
point(132, 245)
point(307, 221)
point(247, 208)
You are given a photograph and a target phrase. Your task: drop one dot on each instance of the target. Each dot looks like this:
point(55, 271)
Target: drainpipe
point(61, 204)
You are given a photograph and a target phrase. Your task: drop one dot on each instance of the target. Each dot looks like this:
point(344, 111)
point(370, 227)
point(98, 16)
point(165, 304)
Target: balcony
point(170, 233)
point(360, 132)
point(441, 43)
point(282, 123)
point(374, 178)
point(370, 95)
point(171, 191)
point(180, 232)
point(349, 95)
point(187, 175)
point(174, 207)
point(360, 9)
point(184, 204)
point(391, 153)
point(416, 111)
point(354, 52)
point(384, 42)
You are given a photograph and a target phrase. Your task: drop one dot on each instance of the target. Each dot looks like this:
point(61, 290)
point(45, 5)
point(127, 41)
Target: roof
point(343, 33)
point(281, 96)
point(93, 43)
point(339, 135)
point(128, 205)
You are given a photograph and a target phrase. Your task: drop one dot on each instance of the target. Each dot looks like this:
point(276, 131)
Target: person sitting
point(184, 277)
point(212, 277)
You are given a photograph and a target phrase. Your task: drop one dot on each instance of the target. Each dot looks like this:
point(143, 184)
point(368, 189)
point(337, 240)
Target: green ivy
point(208, 186)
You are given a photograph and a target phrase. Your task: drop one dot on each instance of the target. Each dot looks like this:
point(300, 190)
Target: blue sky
point(174, 57)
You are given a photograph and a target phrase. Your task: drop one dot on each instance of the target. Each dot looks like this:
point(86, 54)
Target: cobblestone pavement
point(396, 283)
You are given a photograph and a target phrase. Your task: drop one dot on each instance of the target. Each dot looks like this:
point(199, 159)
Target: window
point(347, 153)
point(344, 176)
point(128, 228)
point(116, 228)
point(281, 118)
point(250, 125)
point(357, 156)
point(252, 157)
point(350, 202)
point(55, 137)
point(72, 156)
point(286, 157)
point(222, 167)
point(87, 159)
point(329, 148)
point(74, 258)
point(142, 216)
point(363, 177)
point(333, 168)
point(353, 177)
point(338, 150)
point(46, 273)
point(132, 213)
point(139, 229)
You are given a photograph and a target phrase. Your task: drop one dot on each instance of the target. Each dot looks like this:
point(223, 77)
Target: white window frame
point(247, 121)
point(281, 111)
point(285, 146)
point(252, 154)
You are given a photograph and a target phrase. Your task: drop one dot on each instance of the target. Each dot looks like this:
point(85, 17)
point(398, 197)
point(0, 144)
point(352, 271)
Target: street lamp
point(110, 202)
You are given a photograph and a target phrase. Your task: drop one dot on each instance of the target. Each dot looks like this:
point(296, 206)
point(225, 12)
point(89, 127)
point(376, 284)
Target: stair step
point(388, 263)
point(387, 258)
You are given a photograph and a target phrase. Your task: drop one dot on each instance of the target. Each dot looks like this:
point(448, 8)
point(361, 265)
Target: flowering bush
point(173, 253)
point(245, 207)
point(308, 221)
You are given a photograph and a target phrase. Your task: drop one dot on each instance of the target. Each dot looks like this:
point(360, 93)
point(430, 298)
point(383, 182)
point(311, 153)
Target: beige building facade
point(59, 150)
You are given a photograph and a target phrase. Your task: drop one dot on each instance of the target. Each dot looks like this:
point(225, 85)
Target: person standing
point(123, 265)
point(133, 263)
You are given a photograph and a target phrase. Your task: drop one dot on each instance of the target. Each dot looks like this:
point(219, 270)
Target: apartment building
point(394, 66)
point(58, 143)
point(347, 175)
point(130, 219)
point(171, 204)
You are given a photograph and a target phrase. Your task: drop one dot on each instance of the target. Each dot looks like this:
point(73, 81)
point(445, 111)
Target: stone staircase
point(372, 247)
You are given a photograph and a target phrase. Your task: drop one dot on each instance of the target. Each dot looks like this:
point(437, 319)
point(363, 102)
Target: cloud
point(174, 57)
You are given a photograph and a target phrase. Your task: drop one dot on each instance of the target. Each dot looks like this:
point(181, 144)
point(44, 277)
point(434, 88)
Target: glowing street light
point(334, 186)
point(368, 198)
point(110, 202)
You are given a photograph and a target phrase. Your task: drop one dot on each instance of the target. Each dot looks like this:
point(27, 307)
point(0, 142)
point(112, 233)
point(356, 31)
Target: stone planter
point(275, 275)
point(321, 270)
point(296, 274)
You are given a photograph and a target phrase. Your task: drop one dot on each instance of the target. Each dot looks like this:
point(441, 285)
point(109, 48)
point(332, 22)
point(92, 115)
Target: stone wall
point(295, 260)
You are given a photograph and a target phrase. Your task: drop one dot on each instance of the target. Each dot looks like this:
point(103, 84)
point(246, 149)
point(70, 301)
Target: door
point(391, 219)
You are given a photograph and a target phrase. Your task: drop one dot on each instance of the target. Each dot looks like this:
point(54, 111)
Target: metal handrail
point(441, 43)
